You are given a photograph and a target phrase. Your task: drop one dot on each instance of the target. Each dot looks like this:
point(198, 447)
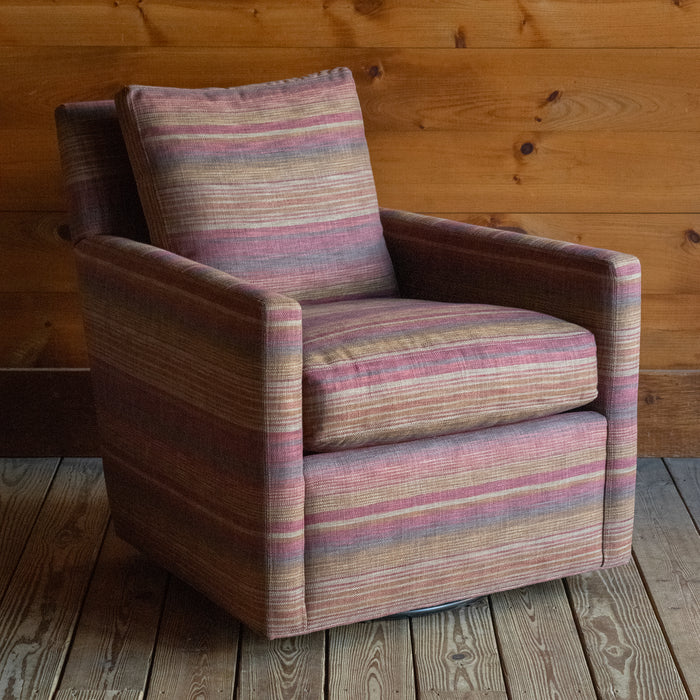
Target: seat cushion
point(387, 370)
point(268, 182)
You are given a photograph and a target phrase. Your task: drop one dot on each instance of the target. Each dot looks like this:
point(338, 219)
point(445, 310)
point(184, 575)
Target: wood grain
point(73, 694)
point(371, 660)
point(23, 486)
point(282, 668)
point(669, 406)
point(31, 178)
point(407, 89)
point(44, 597)
point(42, 329)
point(624, 622)
point(564, 171)
point(456, 654)
point(197, 648)
point(686, 476)
point(671, 331)
point(625, 645)
point(114, 639)
point(667, 549)
point(278, 23)
point(540, 649)
point(33, 256)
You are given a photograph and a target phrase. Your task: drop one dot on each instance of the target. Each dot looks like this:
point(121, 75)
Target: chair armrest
point(594, 288)
point(197, 379)
point(452, 261)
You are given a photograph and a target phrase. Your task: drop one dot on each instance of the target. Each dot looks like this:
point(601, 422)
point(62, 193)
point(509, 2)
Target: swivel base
point(418, 612)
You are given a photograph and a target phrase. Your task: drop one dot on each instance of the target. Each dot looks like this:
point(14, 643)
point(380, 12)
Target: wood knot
point(63, 232)
point(651, 399)
point(692, 236)
point(516, 179)
point(460, 39)
point(527, 19)
point(368, 7)
point(553, 96)
point(527, 148)
point(376, 72)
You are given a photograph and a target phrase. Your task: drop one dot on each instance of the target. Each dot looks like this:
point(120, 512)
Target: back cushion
point(271, 183)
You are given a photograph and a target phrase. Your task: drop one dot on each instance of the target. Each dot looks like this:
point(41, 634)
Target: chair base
point(419, 612)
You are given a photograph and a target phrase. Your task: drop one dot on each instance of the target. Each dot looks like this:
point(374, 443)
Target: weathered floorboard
point(686, 475)
point(197, 648)
point(540, 649)
point(371, 660)
point(114, 640)
point(282, 669)
point(456, 655)
point(98, 695)
point(625, 646)
point(23, 486)
point(44, 597)
point(667, 549)
point(96, 623)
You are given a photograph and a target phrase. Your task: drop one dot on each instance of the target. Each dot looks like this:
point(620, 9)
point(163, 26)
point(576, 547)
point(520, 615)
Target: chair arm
point(197, 379)
point(594, 288)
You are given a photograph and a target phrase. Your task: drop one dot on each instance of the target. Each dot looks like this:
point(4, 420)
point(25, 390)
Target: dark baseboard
point(47, 413)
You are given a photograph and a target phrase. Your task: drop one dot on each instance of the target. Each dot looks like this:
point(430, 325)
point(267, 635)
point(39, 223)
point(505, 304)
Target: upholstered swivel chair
point(317, 411)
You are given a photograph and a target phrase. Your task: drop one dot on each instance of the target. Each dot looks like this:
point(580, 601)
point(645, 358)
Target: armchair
point(317, 411)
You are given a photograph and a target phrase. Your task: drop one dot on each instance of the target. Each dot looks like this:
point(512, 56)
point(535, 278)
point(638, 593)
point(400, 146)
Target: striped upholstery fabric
point(390, 527)
point(387, 370)
point(268, 182)
point(197, 380)
point(597, 289)
point(97, 174)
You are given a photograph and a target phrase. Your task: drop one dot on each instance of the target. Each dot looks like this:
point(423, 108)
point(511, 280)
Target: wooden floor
point(82, 615)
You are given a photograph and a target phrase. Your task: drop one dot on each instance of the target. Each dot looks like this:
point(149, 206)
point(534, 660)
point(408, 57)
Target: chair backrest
point(271, 183)
point(98, 177)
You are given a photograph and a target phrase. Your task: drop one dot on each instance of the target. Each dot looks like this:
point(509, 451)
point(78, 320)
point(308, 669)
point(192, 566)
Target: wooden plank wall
point(574, 119)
